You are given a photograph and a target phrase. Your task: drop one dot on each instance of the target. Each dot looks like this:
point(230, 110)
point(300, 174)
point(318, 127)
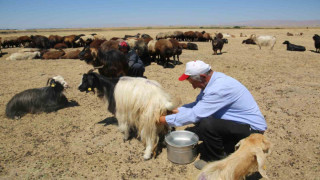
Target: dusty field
point(83, 142)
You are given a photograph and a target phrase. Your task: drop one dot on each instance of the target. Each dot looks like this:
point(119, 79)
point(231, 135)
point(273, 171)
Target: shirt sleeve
point(205, 107)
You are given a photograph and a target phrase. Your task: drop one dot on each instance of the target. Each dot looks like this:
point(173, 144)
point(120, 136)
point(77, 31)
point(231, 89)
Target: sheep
point(316, 39)
point(207, 37)
point(53, 54)
point(141, 48)
point(144, 36)
point(54, 39)
point(11, 41)
point(264, 40)
point(192, 46)
point(160, 35)
point(242, 35)
point(85, 40)
point(71, 55)
point(60, 46)
point(248, 41)
point(247, 159)
point(164, 49)
point(177, 50)
point(289, 34)
point(217, 44)
point(152, 49)
point(132, 42)
point(199, 36)
point(99, 37)
point(114, 63)
point(46, 99)
point(39, 41)
point(137, 104)
point(71, 40)
point(24, 56)
point(293, 47)
point(128, 36)
point(109, 45)
point(90, 53)
point(183, 45)
point(178, 35)
point(24, 40)
point(189, 35)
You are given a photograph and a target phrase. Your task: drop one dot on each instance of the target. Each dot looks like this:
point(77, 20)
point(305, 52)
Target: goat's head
point(260, 146)
point(89, 55)
point(285, 42)
point(89, 82)
point(56, 85)
point(61, 80)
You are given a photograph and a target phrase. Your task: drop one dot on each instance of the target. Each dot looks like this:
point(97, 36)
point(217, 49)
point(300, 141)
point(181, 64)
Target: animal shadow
point(3, 53)
point(72, 103)
point(313, 51)
point(109, 120)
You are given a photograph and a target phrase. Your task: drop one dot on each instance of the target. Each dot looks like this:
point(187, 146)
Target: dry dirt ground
point(82, 142)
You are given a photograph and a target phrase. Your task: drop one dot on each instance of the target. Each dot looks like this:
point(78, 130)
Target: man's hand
point(162, 119)
point(174, 111)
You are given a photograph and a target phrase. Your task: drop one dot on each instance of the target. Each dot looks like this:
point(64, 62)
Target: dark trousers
point(220, 137)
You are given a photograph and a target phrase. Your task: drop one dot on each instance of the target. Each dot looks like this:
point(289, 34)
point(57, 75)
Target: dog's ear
point(261, 157)
point(266, 146)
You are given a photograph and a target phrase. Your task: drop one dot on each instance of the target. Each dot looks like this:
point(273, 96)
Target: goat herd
point(126, 96)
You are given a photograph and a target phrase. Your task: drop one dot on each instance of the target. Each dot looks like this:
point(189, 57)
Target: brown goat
point(53, 54)
point(164, 48)
point(55, 39)
point(71, 55)
point(60, 46)
point(177, 50)
point(248, 158)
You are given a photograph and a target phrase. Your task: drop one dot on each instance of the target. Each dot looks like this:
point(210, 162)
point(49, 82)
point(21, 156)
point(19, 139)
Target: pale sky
point(27, 14)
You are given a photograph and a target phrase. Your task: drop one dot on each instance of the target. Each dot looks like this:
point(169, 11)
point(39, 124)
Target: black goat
point(316, 39)
point(46, 99)
point(248, 41)
point(192, 46)
point(217, 44)
point(105, 87)
point(293, 47)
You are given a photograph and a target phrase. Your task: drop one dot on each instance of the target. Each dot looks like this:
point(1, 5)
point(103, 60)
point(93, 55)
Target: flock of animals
point(126, 96)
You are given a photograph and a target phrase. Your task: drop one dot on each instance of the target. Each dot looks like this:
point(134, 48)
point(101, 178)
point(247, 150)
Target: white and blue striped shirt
point(223, 98)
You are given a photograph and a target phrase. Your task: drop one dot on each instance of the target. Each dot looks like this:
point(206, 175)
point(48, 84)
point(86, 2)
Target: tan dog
point(249, 158)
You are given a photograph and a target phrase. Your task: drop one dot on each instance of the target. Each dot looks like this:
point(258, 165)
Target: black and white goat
point(46, 99)
point(293, 47)
point(137, 104)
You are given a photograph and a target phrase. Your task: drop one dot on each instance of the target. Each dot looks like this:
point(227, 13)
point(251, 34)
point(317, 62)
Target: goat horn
point(98, 67)
point(49, 79)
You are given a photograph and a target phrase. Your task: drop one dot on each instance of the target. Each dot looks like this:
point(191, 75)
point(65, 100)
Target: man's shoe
point(200, 164)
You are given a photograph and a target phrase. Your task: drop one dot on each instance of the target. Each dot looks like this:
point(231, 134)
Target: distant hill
point(277, 23)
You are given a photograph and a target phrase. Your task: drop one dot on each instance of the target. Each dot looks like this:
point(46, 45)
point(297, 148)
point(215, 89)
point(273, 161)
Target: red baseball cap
point(194, 68)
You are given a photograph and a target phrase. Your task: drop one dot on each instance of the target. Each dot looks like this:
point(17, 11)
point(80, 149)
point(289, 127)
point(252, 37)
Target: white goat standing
point(139, 104)
point(264, 40)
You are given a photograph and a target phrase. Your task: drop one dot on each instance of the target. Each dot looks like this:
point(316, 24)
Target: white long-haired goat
point(247, 159)
point(264, 40)
point(139, 104)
